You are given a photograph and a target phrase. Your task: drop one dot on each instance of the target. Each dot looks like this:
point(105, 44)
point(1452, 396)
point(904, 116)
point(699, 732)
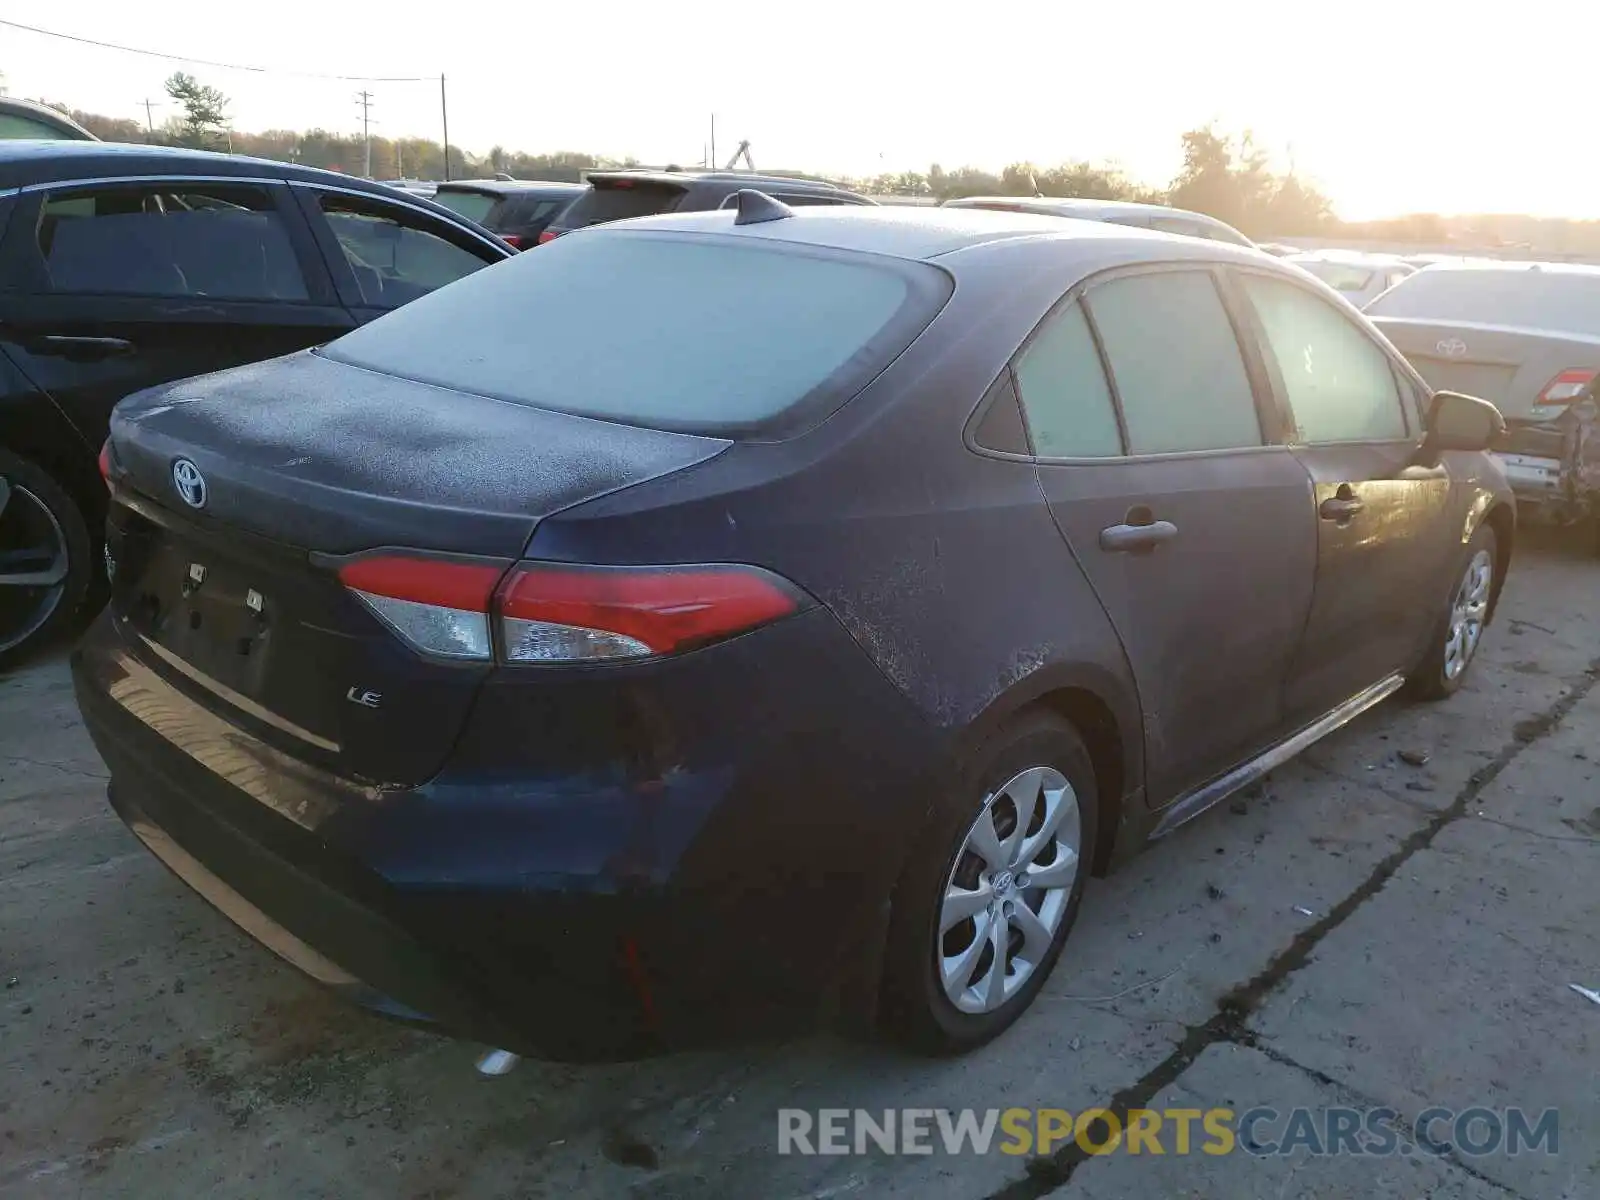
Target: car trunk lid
point(305, 460)
point(1506, 365)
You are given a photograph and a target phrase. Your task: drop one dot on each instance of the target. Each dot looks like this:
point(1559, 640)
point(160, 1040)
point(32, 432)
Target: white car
point(1359, 278)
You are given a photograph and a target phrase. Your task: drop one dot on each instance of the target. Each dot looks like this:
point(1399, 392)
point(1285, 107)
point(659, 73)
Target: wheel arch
point(1501, 518)
point(1105, 713)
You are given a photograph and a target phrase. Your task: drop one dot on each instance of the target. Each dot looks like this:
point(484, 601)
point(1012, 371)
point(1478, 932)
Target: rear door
point(1155, 444)
point(384, 253)
point(111, 287)
point(1385, 526)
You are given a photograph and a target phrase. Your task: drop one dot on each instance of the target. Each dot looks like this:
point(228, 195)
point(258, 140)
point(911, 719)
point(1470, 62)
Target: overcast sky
point(1390, 105)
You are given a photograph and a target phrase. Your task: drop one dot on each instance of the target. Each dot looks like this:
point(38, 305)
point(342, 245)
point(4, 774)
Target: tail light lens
point(438, 606)
point(515, 240)
point(1561, 391)
point(555, 613)
point(105, 462)
point(548, 235)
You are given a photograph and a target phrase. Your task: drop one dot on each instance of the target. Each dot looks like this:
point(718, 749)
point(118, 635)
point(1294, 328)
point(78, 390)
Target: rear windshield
point(702, 334)
point(1343, 277)
point(474, 206)
point(619, 200)
point(1561, 301)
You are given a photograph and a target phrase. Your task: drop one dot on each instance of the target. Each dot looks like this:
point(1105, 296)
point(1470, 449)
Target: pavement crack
point(1230, 1022)
point(55, 766)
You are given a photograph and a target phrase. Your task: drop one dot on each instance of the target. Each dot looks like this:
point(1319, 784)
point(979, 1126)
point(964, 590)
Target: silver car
point(1525, 336)
point(1359, 278)
point(1116, 212)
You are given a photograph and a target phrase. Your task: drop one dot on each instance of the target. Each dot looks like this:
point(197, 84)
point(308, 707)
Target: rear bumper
point(567, 901)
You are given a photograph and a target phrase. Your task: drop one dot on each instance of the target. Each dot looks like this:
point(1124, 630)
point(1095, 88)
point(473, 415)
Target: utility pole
point(149, 118)
point(364, 99)
point(444, 112)
point(713, 163)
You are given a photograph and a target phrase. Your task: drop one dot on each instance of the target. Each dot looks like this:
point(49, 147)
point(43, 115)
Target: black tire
point(31, 618)
point(916, 1010)
point(1430, 680)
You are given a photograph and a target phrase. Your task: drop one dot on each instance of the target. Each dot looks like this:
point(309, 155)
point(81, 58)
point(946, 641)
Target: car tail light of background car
point(515, 240)
point(557, 613)
point(1561, 391)
point(548, 235)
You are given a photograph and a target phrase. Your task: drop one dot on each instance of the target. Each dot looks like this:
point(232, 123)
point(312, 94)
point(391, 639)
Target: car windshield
point(474, 206)
point(1560, 301)
point(1344, 277)
point(702, 334)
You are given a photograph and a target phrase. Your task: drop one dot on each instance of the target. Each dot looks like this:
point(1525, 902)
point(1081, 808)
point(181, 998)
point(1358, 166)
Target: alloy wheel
point(33, 564)
point(1008, 890)
point(1469, 609)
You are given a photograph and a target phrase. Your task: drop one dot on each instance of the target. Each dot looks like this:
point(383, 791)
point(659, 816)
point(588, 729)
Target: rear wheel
point(1460, 629)
point(44, 558)
point(992, 891)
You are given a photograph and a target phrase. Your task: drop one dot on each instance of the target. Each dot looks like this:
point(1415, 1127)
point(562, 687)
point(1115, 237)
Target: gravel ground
point(1360, 932)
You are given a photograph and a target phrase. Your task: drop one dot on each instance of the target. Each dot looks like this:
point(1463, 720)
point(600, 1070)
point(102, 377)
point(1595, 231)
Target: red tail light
point(547, 235)
point(553, 613)
point(515, 240)
point(1562, 391)
point(105, 462)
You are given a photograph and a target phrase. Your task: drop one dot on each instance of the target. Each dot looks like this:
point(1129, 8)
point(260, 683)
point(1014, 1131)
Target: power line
point(206, 62)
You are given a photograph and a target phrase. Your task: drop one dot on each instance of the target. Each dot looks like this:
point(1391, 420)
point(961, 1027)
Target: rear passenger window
point(223, 243)
point(1176, 363)
point(1064, 391)
point(1340, 386)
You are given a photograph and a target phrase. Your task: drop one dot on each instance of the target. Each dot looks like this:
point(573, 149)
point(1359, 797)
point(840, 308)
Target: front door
point(1196, 532)
point(113, 287)
point(1384, 529)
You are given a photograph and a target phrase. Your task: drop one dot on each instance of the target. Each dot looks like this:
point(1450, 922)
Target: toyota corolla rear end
point(363, 684)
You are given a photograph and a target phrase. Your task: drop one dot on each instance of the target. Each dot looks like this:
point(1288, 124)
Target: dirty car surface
point(839, 592)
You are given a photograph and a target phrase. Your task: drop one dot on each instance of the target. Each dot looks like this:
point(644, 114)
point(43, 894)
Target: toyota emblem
point(190, 483)
point(1452, 347)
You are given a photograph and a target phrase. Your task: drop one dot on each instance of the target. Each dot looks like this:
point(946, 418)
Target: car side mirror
point(1457, 422)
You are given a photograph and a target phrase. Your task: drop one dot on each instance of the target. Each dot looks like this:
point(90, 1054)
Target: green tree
point(205, 111)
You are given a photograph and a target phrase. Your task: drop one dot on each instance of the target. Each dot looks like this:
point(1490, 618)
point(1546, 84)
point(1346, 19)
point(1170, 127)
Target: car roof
point(44, 114)
point(1483, 266)
point(1355, 258)
point(925, 233)
point(688, 178)
point(508, 187)
point(1077, 206)
point(24, 162)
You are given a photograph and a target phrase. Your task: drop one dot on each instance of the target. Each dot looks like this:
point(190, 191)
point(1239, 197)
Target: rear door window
point(1175, 363)
point(702, 334)
point(395, 254)
point(1340, 386)
point(617, 200)
point(1064, 392)
point(222, 242)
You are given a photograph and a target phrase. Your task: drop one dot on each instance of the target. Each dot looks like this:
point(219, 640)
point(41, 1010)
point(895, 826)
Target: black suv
point(615, 195)
point(122, 267)
point(516, 209)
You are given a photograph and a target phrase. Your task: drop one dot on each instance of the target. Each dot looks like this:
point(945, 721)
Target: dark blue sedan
point(730, 621)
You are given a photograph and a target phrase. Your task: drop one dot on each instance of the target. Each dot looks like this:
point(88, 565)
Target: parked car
point(1359, 278)
point(1525, 336)
point(516, 210)
point(23, 119)
point(615, 195)
point(127, 266)
point(607, 648)
point(1118, 212)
